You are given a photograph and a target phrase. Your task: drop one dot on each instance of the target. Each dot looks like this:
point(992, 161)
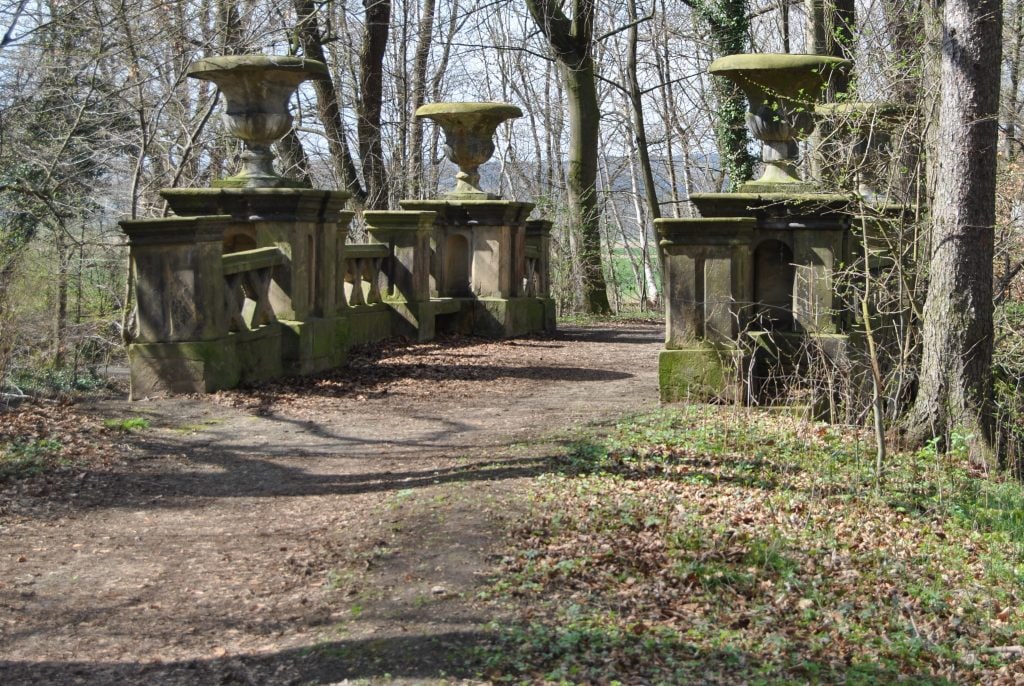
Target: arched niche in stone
point(237, 240)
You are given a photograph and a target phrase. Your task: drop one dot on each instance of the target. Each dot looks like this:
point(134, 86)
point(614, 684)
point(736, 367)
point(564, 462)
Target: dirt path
point(313, 533)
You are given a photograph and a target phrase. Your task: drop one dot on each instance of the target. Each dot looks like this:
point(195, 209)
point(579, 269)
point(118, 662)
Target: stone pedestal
point(408, 236)
point(182, 319)
point(479, 257)
point(310, 228)
point(759, 267)
point(708, 280)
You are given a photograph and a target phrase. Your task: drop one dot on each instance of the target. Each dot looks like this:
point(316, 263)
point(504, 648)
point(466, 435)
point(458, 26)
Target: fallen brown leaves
point(455, 366)
point(740, 558)
point(49, 448)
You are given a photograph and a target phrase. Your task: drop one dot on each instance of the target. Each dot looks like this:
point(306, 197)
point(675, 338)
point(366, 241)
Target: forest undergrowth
point(713, 545)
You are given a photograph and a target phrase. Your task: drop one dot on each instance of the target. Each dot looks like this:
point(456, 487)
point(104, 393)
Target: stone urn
point(469, 138)
point(256, 91)
point(782, 90)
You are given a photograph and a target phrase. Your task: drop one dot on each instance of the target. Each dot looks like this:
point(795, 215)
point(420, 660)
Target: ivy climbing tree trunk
point(728, 25)
point(572, 42)
point(955, 381)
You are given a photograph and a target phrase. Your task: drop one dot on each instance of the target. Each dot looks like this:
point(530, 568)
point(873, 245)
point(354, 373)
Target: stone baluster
point(407, 235)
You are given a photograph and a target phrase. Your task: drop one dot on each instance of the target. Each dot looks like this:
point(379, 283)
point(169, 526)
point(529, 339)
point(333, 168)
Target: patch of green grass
point(126, 425)
point(48, 380)
point(624, 316)
point(28, 458)
point(194, 428)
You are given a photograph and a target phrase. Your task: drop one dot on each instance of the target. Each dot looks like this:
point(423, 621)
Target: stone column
point(408, 236)
point(179, 295)
point(707, 270)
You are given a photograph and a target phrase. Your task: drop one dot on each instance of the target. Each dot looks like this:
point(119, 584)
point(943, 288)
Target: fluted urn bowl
point(256, 91)
point(782, 91)
point(469, 137)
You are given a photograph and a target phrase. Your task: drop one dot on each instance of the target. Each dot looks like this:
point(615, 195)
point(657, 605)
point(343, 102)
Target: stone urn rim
point(209, 67)
point(857, 111)
point(775, 62)
point(447, 109)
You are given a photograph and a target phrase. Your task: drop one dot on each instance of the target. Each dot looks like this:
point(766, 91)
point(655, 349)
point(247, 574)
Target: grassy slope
point(706, 545)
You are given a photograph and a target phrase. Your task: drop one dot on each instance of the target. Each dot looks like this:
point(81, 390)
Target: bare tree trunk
point(419, 97)
point(308, 34)
point(371, 96)
point(1011, 144)
point(572, 42)
point(637, 105)
point(830, 25)
point(955, 392)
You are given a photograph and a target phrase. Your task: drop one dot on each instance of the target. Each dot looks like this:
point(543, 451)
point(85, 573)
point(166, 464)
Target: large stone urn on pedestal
point(782, 91)
point(268, 249)
point(753, 277)
point(479, 255)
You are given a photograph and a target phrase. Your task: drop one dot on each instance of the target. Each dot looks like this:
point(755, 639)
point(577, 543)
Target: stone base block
point(259, 354)
point(314, 345)
point(248, 357)
point(702, 373)
point(159, 369)
point(418, 320)
point(508, 317)
point(370, 323)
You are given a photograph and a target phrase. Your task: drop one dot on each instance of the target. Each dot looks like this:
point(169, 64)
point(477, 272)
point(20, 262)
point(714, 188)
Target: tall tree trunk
point(830, 25)
point(1015, 48)
point(308, 35)
point(637, 106)
point(955, 392)
point(371, 96)
point(419, 97)
point(572, 42)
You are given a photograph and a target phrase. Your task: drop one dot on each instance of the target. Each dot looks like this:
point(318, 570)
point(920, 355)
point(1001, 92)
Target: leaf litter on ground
point(711, 545)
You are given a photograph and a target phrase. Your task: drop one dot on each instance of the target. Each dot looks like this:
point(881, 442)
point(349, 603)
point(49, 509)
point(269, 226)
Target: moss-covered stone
point(507, 317)
point(259, 354)
point(701, 373)
point(158, 369)
point(370, 323)
point(242, 181)
point(315, 344)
